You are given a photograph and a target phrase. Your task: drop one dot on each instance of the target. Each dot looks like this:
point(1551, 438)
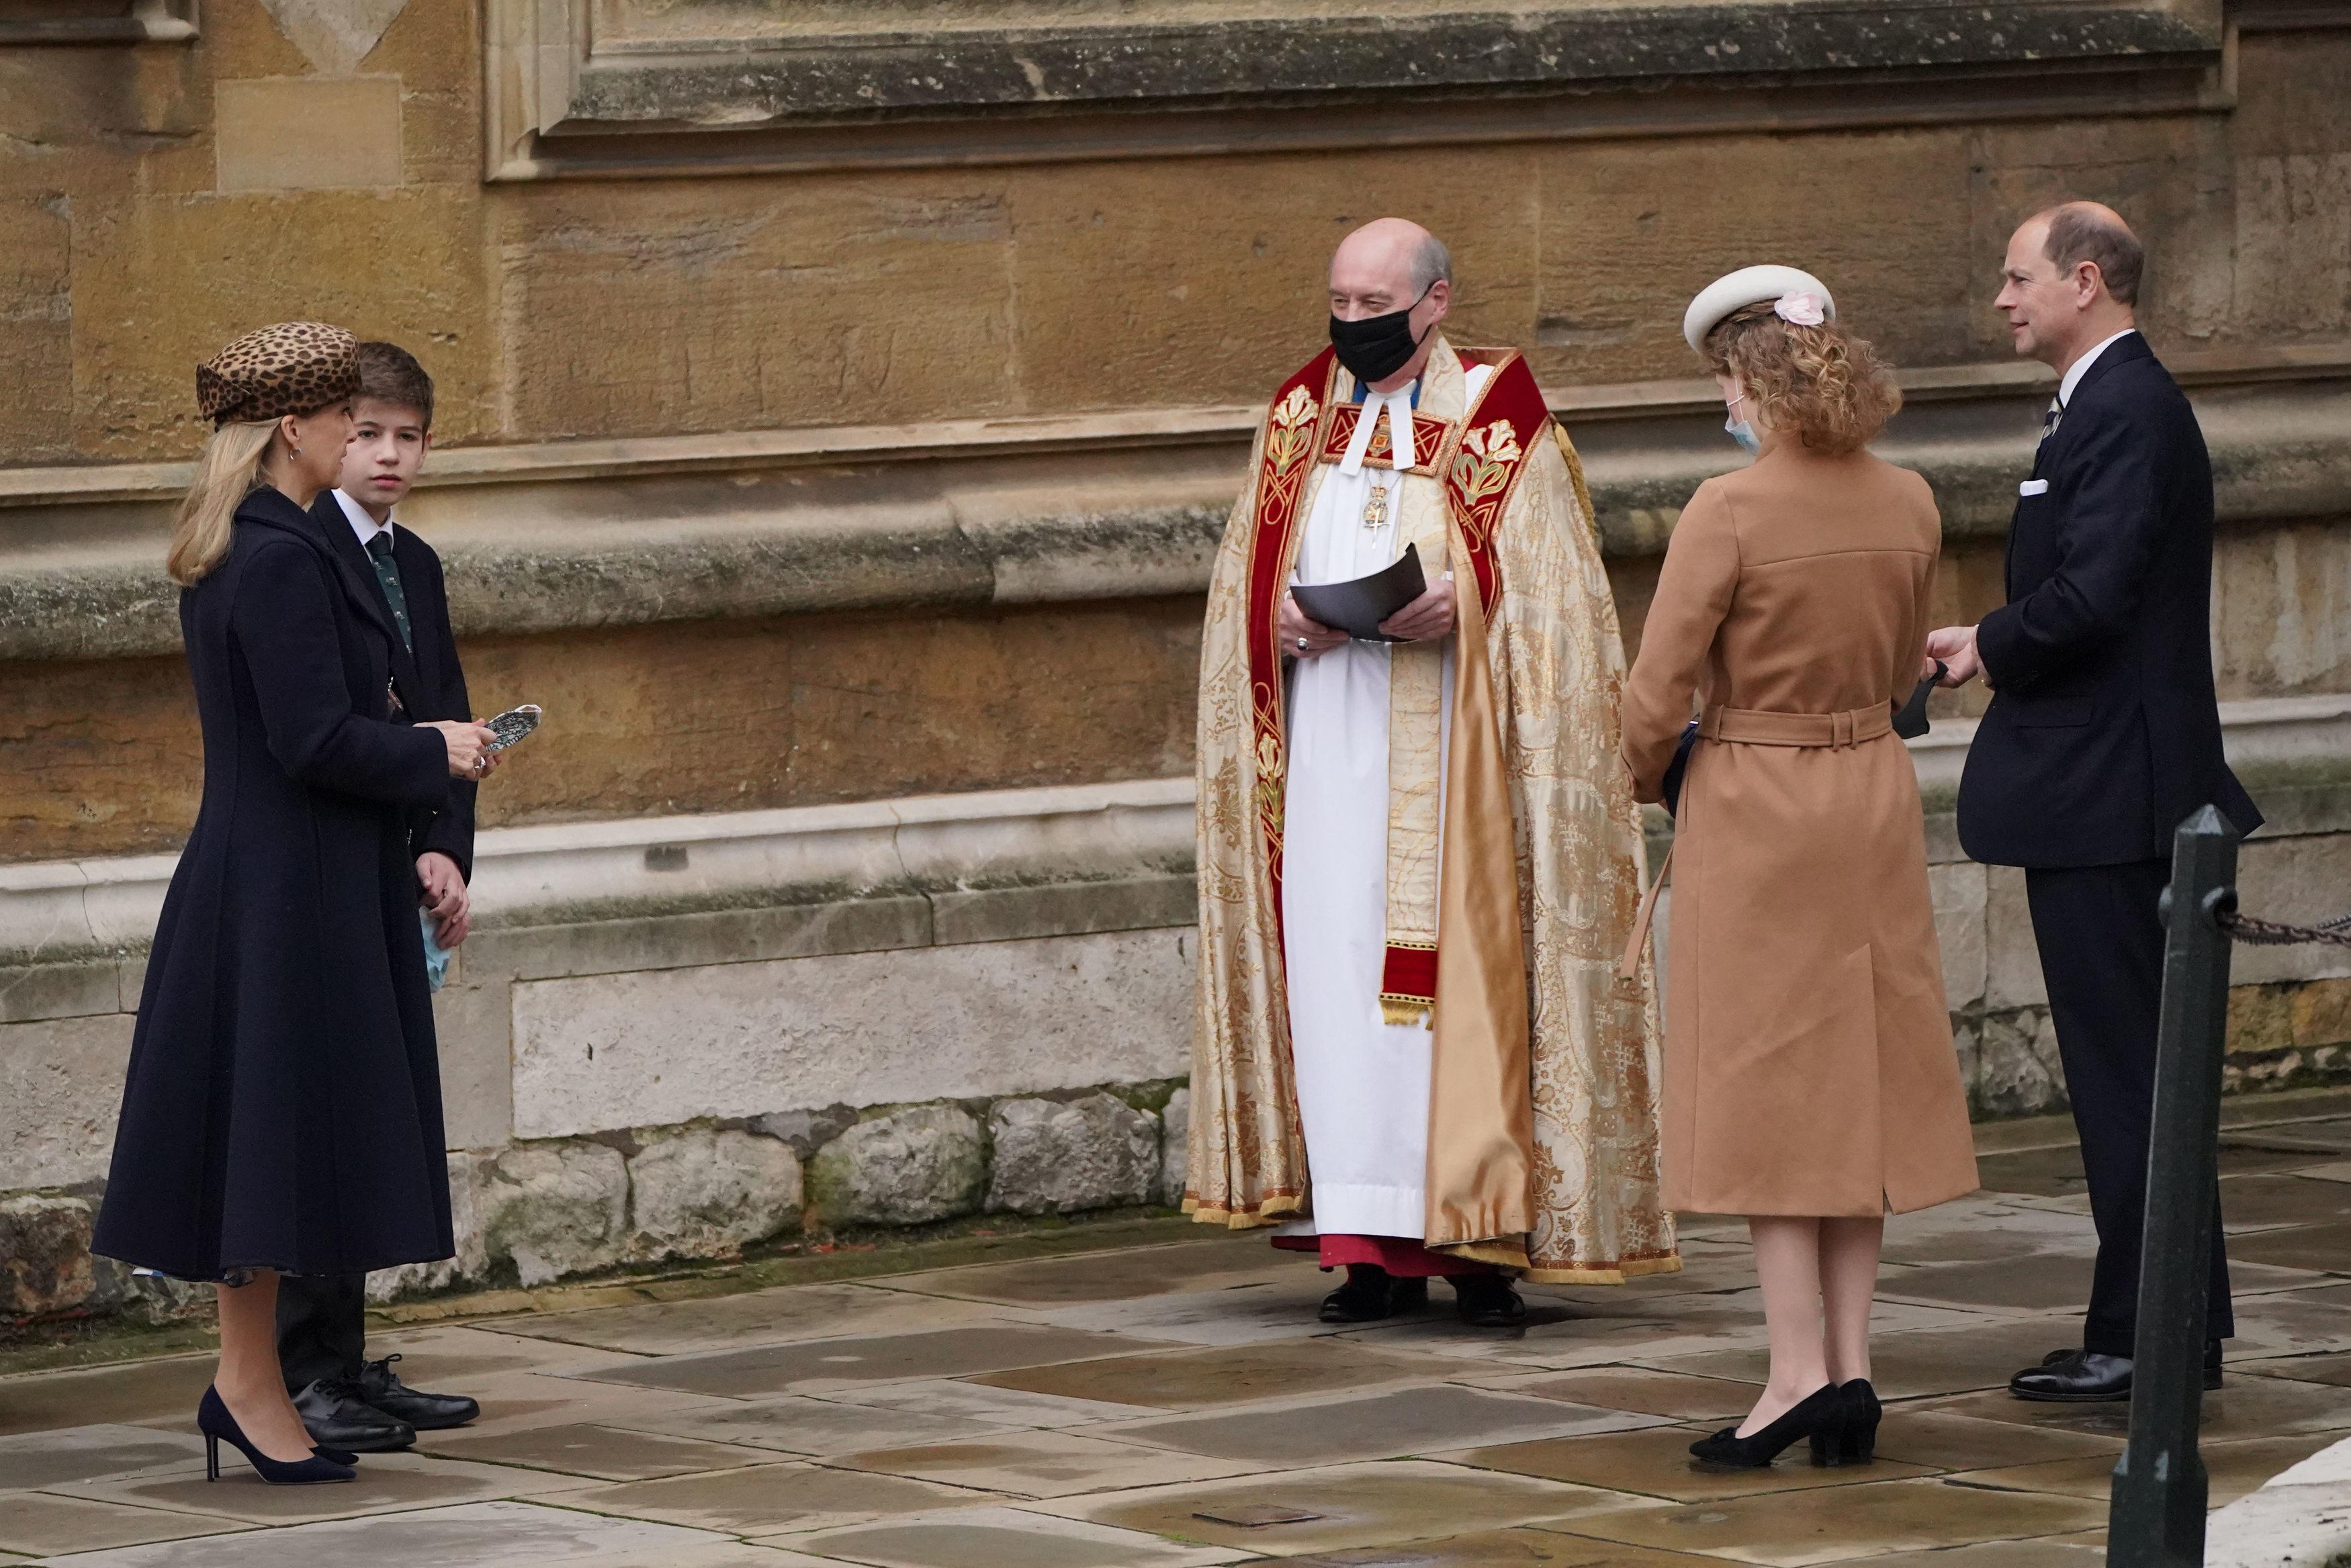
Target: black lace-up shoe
point(1372, 1293)
point(2086, 1377)
point(382, 1387)
point(339, 1418)
point(1488, 1301)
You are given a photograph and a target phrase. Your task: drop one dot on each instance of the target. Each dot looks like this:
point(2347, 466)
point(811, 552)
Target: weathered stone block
point(2261, 1018)
point(44, 1263)
point(468, 1175)
point(928, 1162)
point(1959, 891)
point(807, 1131)
point(554, 1208)
point(60, 1088)
point(472, 1022)
point(2012, 960)
point(2011, 1066)
point(611, 1052)
point(1175, 1147)
point(702, 1194)
point(2321, 1014)
point(1056, 1157)
point(266, 133)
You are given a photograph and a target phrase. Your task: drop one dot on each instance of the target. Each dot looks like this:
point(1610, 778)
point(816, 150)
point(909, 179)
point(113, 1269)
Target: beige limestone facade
point(839, 402)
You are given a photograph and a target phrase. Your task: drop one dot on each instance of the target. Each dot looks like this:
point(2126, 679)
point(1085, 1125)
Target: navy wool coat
point(283, 1104)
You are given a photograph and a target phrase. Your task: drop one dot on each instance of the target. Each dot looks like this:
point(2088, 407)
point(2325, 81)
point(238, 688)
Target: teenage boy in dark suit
point(2103, 731)
point(345, 1400)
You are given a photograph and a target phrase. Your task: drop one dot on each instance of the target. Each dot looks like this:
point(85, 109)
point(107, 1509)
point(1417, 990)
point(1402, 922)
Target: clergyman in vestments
point(1418, 860)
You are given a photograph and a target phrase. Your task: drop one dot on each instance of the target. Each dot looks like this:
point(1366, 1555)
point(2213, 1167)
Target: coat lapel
point(357, 574)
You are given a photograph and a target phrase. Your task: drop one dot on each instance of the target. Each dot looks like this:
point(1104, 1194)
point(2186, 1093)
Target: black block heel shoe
point(1821, 1412)
point(1856, 1443)
point(219, 1426)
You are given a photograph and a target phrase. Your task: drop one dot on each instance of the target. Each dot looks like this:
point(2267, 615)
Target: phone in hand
point(512, 725)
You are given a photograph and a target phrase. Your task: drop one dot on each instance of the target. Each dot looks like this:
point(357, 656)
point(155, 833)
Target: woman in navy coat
point(282, 1113)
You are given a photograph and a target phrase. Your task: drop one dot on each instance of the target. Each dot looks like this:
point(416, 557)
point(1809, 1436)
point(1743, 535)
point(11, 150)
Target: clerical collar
point(1411, 390)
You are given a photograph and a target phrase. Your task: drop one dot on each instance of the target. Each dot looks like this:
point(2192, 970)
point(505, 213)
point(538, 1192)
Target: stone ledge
point(570, 93)
point(987, 867)
point(568, 535)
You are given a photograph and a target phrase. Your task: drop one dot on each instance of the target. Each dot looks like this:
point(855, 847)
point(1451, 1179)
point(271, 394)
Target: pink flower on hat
point(1801, 308)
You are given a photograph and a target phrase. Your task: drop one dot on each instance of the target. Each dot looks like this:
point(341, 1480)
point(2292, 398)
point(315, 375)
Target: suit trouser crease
point(2101, 942)
point(321, 1327)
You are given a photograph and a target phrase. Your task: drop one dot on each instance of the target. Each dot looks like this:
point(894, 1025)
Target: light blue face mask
point(1740, 430)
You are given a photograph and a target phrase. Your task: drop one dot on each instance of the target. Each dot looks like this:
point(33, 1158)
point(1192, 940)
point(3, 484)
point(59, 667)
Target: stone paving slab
point(814, 1364)
point(771, 1498)
point(477, 1536)
point(38, 1525)
point(1045, 1464)
point(1395, 1425)
point(1003, 1538)
point(1084, 1410)
point(1344, 1506)
point(32, 1459)
point(1795, 1528)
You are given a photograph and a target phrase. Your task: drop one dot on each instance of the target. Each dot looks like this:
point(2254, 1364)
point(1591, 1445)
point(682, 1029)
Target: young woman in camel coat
point(1810, 1079)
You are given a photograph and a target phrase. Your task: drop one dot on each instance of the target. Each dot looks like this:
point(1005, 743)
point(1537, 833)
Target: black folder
point(1357, 608)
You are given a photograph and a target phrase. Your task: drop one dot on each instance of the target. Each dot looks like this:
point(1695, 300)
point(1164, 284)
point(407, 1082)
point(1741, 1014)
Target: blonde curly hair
point(1822, 382)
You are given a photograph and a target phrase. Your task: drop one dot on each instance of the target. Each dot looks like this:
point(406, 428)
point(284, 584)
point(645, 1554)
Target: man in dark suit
point(345, 1400)
point(2103, 731)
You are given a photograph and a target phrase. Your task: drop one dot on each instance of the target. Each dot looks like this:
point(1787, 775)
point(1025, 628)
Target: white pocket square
point(2033, 487)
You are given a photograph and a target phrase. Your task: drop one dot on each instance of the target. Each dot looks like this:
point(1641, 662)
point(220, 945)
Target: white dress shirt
point(367, 527)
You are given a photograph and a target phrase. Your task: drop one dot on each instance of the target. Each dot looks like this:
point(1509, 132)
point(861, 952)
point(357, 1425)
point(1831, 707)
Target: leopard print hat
point(289, 369)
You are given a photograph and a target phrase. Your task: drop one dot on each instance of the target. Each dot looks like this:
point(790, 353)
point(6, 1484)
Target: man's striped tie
point(2049, 420)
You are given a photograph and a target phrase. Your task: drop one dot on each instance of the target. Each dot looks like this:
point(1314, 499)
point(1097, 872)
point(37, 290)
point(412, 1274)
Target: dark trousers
point(321, 1327)
point(2101, 945)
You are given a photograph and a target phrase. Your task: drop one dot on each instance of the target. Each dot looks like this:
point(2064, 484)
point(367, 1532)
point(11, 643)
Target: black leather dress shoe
point(2086, 1377)
point(380, 1386)
point(1488, 1301)
point(1372, 1293)
point(339, 1418)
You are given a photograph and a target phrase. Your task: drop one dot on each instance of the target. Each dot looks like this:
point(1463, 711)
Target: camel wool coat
point(1809, 1068)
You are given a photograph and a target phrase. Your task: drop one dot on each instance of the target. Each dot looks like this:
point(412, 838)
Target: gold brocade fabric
point(1543, 1136)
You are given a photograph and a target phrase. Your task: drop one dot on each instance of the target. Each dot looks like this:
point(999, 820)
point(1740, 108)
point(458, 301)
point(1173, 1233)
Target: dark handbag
point(1671, 790)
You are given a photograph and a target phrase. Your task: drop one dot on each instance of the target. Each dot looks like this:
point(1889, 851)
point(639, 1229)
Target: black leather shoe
point(1488, 1301)
point(339, 1418)
point(380, 1386)
point(1820, 1414)
point(1372, 1293)
point(2086, 1377)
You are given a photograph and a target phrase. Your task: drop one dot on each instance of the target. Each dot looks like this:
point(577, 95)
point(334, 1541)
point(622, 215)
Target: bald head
point(1391, 265)
point(2078, 232)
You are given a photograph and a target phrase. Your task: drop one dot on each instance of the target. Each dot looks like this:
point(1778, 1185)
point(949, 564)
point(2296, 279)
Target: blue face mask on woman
point(1741, 431)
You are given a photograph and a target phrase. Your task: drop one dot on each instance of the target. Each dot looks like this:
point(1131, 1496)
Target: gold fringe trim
point(1269, 1212)
point(1399, 1008)
point(1501, 1254)
point(1602, 1274)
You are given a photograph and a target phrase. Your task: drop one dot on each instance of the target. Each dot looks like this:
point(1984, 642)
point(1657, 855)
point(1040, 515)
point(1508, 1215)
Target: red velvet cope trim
point(1399, 1255)
point(1409, 974)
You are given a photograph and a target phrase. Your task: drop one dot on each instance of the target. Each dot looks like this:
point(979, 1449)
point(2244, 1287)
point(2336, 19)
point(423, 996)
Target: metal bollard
point(2157, 1516)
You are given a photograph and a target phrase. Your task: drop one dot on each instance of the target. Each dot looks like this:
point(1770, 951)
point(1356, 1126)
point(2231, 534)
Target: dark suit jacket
point(430, 679)
point(2103, 731)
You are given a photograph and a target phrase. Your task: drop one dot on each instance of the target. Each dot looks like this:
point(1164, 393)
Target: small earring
point(298, 452)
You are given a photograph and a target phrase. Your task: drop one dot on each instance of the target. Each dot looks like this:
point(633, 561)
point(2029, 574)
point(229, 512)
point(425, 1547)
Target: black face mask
point(1377, 346)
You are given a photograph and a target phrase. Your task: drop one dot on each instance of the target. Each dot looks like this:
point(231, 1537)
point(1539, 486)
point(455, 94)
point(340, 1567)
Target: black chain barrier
point(2277, 934)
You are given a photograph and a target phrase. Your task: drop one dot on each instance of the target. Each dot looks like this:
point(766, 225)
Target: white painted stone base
point(606, 1053)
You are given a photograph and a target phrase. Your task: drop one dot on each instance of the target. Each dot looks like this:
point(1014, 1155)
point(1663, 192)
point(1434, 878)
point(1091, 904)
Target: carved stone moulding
point(24, 22)
point(636, 88)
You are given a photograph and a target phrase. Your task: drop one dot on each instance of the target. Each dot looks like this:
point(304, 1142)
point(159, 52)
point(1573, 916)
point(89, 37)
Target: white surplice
point(1363, 1083)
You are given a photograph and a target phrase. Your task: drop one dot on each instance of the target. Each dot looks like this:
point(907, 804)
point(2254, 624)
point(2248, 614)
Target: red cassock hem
point(1399, 1255)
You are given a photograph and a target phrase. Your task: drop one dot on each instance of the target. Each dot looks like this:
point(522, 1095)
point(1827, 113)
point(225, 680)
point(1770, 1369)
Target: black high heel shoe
point(1821, 1412)
point(1856, 1442)
point(219, 1426)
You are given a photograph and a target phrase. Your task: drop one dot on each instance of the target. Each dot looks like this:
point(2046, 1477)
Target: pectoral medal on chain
point(1375, 507)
